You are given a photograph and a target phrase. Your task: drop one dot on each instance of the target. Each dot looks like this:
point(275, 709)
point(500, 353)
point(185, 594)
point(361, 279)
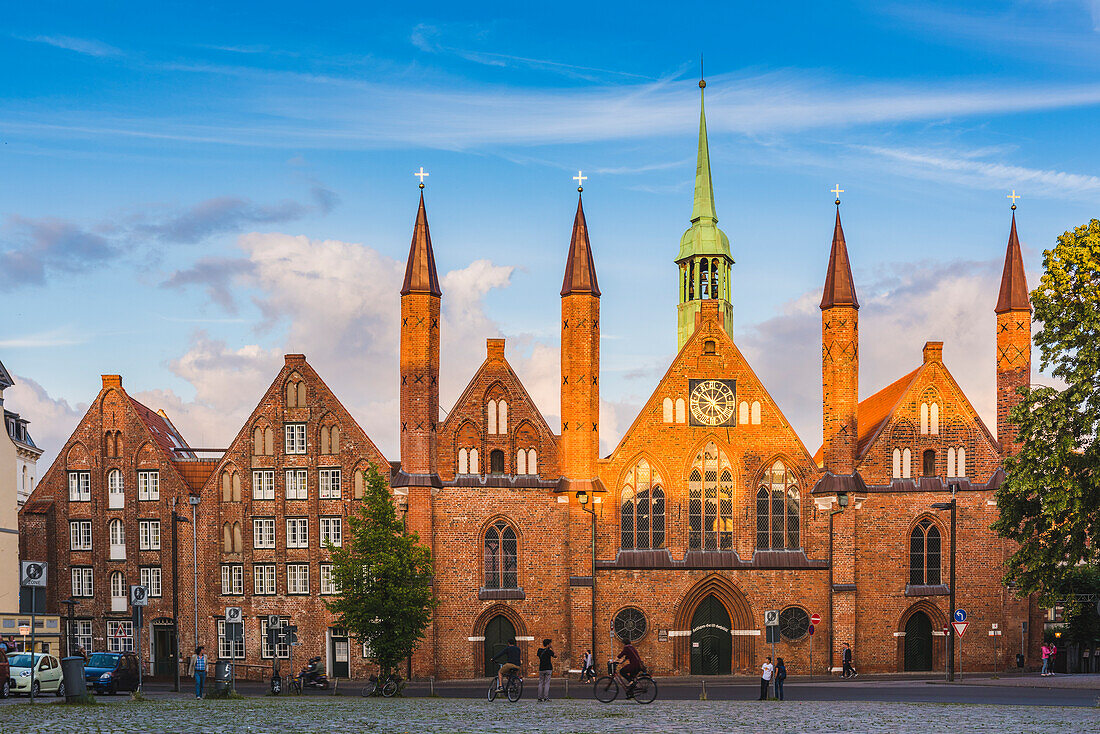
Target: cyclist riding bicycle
point(632, 667)
point(510, 655)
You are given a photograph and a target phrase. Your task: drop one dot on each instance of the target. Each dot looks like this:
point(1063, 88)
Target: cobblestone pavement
point(556, 717)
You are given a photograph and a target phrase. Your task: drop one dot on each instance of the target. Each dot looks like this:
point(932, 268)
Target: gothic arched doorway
point(918, 642)
point(711, 641)
point(498, 631)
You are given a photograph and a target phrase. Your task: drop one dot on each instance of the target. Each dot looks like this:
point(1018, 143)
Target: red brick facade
point(708, 513)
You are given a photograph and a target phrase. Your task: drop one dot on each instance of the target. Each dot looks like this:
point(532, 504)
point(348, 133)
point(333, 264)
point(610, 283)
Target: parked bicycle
point(512, 688)
point(607, 688)
point(388, 686)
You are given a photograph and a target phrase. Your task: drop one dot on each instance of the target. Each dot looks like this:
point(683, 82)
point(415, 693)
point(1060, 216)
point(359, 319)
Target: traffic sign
point(771, 618)
point(946, 630)
point(960, 615)
point(960, 627)
point(274, 621)
point(811, 630)
point(139, 596)
point(234, 631)
point(771, 634)
point(815, 618)
point(24, 629)
point(233, 615)
point(33, 574)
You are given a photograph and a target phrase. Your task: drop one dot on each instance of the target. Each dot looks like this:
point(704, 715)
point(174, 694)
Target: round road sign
point(815, 618)
point(25, 630)
point(811, 630)
point(960, 615)
point(946, 630)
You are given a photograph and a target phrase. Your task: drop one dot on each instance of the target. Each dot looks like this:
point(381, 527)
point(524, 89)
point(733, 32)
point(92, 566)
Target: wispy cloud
point(216, 275)
point(61, 337)
point(86, 46)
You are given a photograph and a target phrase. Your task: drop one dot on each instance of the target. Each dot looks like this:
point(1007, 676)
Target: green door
point(164, 652)
point(918, 642)
point(339, 653)
point(711, 641)
point(497, 633)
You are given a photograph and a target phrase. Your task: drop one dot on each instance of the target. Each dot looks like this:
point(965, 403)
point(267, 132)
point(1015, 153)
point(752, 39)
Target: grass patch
point(227, 694)
point(88, 699)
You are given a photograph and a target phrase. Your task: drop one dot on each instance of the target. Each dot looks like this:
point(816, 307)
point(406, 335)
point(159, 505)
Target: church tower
point(1013, 339)
point(580, 361)
point(704, 258)
point(839, 359)
point(420, 297)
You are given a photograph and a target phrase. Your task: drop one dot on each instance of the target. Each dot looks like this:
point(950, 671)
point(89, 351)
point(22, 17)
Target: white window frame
point(297, 579)
point(82, 582)
point(297, 484)
point(120, 643)
point(232, 579)
point(297, 532)
point(80, 535)
point(81, 631)
point(294, 438)
point(80, 486)
point(328, 524)
point(148, 486)
point(328, 583)
point(328, 482)
point(148, 535)
point(281, 651)
point(229, 650)
point(263, 579)
point(116, 490)
point(263, 484)
point(263, 532)
point(151, 577)
point(116, 540)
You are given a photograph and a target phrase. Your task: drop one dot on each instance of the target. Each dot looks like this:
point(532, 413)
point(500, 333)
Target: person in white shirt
point(766, 678)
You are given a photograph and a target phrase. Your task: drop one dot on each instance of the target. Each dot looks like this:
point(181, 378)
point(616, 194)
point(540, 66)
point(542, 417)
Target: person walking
point(198, 669)
point(846, 658)
point(588, 666)
point(546, 669)
point(780, 676)
point(766, 671)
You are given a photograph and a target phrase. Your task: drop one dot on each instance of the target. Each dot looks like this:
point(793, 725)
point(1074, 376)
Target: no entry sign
point(815, 619)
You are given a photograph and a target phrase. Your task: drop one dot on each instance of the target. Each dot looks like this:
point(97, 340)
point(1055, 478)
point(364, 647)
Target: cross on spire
point(422, 174)
point(580, 178)
point(1014, 196)
point(838, 191)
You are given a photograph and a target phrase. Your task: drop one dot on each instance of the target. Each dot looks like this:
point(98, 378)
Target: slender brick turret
point(839, 359)
point(1013, 340)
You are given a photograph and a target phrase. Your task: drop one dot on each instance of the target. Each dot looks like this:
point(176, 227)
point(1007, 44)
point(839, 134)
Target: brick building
point(710, 511)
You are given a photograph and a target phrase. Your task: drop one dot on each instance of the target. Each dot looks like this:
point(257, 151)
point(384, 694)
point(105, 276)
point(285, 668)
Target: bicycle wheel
point(605, 689)
point(645, 690)
point(370, 688)
point(514, 689)
point(389, 689)
point(492, 694)
point(296, 686)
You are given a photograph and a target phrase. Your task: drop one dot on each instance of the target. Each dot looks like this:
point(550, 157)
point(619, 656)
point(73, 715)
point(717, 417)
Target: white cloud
point(52, 420)
point(86, 46)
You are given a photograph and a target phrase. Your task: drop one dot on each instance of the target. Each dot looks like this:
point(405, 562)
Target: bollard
point(431, 686)
point(703, 695)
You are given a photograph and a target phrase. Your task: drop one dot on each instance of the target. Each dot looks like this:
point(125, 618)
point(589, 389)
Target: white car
point(47, 674)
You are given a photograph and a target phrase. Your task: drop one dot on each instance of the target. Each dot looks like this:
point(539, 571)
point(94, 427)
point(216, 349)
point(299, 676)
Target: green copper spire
point(704, 259)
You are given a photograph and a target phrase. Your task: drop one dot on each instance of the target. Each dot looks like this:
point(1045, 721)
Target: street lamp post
point(582, 498)
point(176, 519)
point(69, 637)
point(194, 501)
point(953, 507)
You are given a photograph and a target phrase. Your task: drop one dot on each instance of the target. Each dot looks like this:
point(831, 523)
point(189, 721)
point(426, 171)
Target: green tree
point(1050, 502)
point(384, 575)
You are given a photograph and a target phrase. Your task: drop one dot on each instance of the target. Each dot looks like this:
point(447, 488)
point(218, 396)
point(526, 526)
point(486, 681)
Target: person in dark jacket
point(780, 676)
point(846, 659)
point(546, 669)
point(511, 656)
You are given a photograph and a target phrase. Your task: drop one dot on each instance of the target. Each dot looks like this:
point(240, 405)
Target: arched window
point(463, 462)
point(778, 509)
point(951, 462)
point(743, 414)
point(291, 395)
point(924, 418)
point(118, 585)
point(117, 533)
point(691, 280)
point(532, 462)
point(928, 460)
point(325, 435)
point(934, 412)
point(116, 498)
point(474, 469)
point(906, 463)
point(681, 411)
point(666, 410)
point(227, 486)
point(502, 417)
point(961, 466)
point(496, 461)
point(710, 501)
point(704, 278)
point(258, 441)
point(714, 278)
point(642, 509)
point(238, 541)
point(521, 462)
point(269, 441)
point(501, 557)
point(897, 464)
point(756, 412)
point(357, 484)
point(491, 411)
point(924, 554)
point(227, 538)
point(301, 394)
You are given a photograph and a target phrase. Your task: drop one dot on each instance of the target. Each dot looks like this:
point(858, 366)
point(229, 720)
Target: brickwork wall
point(1013, 370)
point(840, 387)
point(419, 382)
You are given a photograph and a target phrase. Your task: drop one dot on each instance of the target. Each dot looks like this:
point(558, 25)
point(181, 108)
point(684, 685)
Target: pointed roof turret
point(1013, 295)
point(840, 289)
point(420, 275)
point(580, 269)
point(704, 237)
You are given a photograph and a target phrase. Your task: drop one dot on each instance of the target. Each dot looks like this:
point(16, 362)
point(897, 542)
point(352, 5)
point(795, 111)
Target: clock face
point(712, 402)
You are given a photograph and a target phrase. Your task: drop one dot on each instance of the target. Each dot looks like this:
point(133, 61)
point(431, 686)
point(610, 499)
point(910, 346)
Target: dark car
point(111, 672)
point(5, 675)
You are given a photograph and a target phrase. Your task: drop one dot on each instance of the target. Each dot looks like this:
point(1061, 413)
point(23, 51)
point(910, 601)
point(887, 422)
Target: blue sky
point(190, 191)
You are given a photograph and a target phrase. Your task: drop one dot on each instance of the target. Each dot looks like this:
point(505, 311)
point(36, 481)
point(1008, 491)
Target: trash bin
point(72, 673)
point(223, 676)
point(1019, 661)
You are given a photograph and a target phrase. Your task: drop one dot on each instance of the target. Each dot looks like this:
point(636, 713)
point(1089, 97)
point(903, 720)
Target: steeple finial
point(703, 207)
point(840, 289)
point(1013, 295)
point(580, 268)
point(420, 275)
